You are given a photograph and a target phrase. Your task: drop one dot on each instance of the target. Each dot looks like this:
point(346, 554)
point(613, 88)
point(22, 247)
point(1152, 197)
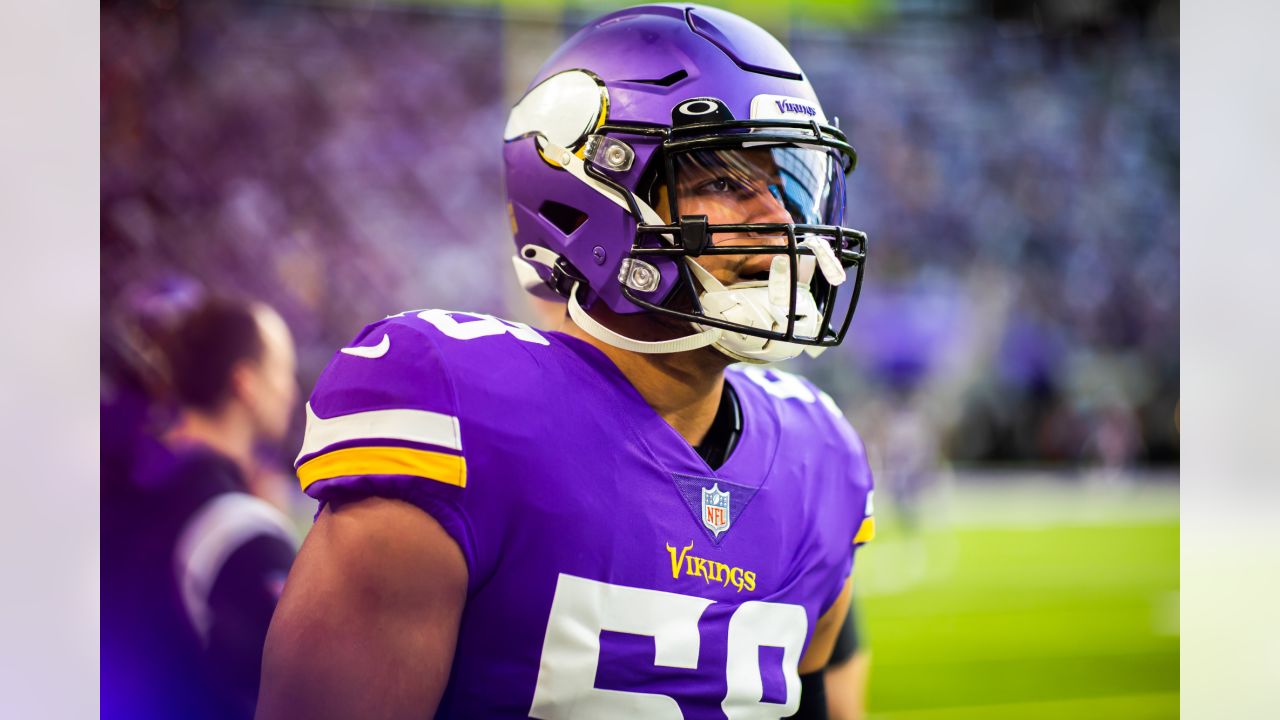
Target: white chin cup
point(762, 305)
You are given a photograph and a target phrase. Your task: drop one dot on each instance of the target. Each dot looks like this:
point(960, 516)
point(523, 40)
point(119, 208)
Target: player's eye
point(723, 185)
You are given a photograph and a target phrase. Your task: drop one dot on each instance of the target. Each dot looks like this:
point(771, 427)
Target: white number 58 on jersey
point(583, 608)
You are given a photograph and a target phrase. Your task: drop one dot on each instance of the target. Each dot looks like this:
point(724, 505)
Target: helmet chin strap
point(575, 167)
point(598, 331)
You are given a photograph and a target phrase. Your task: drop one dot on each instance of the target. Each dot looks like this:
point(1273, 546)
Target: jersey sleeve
point(382, 421)
point(866, 526)
point(839, 483)
point(855, 488)
point(848, 495)
point(857, 469)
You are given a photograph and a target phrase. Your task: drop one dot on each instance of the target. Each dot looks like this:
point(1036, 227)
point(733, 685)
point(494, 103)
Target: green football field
point(1025, 599)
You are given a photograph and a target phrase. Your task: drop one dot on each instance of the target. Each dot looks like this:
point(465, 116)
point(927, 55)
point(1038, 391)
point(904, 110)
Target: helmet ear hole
point(566, 219)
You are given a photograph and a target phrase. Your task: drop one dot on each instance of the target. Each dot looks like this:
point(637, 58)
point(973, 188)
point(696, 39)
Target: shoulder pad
point(804, 407)
point(405, 360)
point(391, 364)
point(458, 325)
point(782, 385)
point(807, 410)
point(387, 403)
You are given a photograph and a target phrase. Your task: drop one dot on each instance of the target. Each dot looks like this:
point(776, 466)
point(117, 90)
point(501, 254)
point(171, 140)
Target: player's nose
point(765, 206)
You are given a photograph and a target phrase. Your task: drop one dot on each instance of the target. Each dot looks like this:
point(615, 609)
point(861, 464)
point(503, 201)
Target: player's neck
point(224, 432)
point(683, 388)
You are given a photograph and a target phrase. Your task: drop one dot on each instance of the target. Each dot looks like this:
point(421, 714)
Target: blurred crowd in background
point(1019, 185)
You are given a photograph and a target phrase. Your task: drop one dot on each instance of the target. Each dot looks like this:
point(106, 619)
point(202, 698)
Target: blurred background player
point(137, 399)
point(193, 563)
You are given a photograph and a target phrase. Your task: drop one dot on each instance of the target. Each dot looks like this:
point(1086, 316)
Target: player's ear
point(245, 381)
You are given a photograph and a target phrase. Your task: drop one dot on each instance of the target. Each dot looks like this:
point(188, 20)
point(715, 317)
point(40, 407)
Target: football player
point(608, 520)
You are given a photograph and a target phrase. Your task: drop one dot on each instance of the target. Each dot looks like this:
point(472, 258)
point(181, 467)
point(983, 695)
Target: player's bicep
point(369, 617)
point(827, 630)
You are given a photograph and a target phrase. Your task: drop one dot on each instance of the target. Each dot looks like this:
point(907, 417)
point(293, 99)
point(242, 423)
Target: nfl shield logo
point(715, 509)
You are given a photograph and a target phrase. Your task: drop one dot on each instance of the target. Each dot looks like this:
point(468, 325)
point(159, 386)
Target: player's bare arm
point(824, 634)
point(369, 617)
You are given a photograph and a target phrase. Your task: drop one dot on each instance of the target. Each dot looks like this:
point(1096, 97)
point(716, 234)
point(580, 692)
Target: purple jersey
point(611, 571)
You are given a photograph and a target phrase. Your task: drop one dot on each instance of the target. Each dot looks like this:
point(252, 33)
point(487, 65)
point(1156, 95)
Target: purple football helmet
point(627, 108)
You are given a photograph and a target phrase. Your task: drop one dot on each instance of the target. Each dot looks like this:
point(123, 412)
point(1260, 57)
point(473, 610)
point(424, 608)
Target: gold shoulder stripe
point(441, 467)
point(866, 532)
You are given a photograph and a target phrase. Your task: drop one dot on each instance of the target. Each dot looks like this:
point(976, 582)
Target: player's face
point(731, 187)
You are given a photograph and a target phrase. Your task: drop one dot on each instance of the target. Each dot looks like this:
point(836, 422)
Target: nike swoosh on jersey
point(374, 351)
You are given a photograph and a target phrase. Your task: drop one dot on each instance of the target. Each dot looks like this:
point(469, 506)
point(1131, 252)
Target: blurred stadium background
point(1014, 363)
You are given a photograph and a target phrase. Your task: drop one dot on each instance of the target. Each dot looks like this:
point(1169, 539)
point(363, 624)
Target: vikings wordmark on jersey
point(612, 572)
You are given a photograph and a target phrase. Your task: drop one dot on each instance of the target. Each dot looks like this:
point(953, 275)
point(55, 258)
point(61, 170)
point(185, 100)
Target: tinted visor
point(803, 185)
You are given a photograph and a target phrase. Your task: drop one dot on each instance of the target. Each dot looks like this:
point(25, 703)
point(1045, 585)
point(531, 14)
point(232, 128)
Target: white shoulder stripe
point(421, 426)
point(210, 538)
